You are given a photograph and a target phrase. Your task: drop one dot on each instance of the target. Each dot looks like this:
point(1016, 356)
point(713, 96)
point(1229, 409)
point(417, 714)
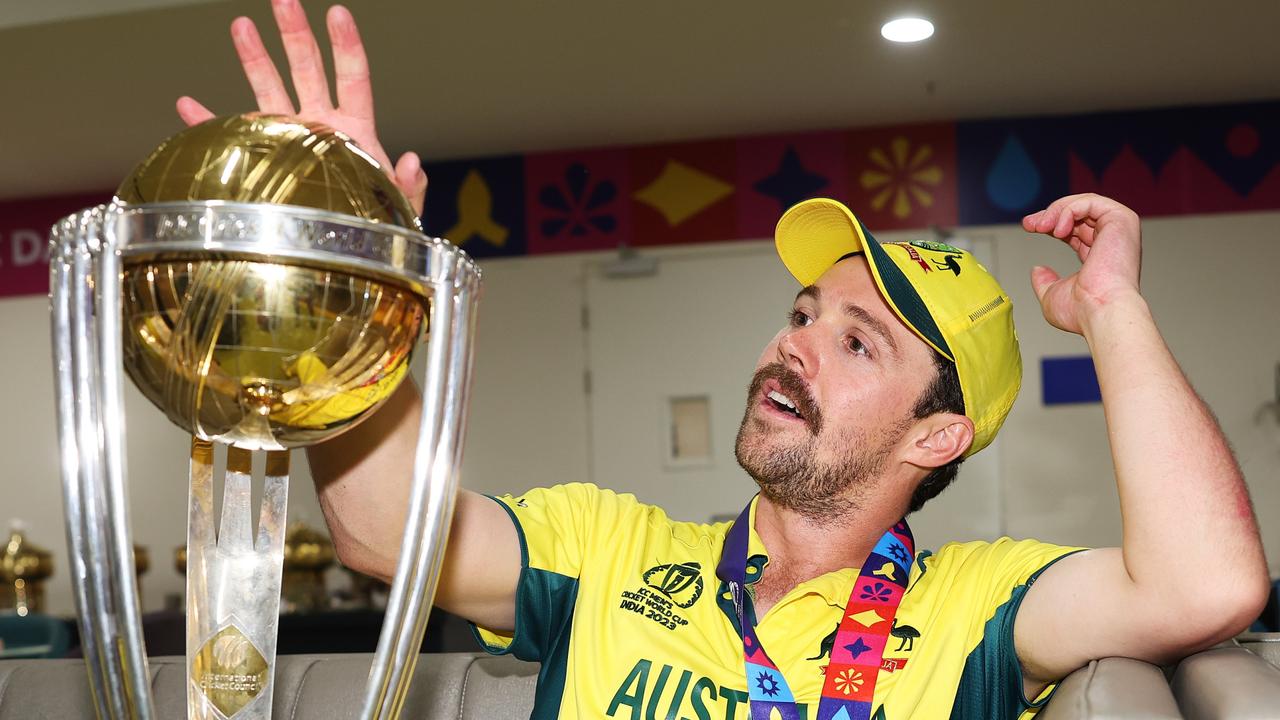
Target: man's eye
point(856, 346)
point(797, 318)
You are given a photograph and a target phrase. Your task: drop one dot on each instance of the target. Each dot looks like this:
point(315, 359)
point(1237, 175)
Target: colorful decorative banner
point(902, 178)
point(778, 171)
point(1159, 162)
point(479, 205)
point(576, 201)
point(683, 193)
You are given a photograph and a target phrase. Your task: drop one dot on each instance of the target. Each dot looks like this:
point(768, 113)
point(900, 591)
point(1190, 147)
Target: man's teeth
point(778, 397)
point(783, 400)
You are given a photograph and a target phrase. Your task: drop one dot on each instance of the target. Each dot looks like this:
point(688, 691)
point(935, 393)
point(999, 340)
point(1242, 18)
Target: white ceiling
point(84, 97)
point(18, 14)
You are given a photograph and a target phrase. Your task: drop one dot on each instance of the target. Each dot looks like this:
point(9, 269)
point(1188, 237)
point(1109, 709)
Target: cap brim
point(813, 235)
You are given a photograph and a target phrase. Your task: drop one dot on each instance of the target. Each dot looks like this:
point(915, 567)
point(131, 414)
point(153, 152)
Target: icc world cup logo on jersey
point(682, 582)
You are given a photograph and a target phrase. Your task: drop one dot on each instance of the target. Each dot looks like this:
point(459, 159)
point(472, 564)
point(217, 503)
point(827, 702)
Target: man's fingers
point(1074, 216)
point(306, 65)
point(411, 180)
point(191, 111)
point(261, 72)
point(1090, 209)
point(1050, 220)
point(1066, 222)
point(350, 65)
point(1041, 278)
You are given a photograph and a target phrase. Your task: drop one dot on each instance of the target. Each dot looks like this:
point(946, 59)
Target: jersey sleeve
point(994, 577)
point(557, 528)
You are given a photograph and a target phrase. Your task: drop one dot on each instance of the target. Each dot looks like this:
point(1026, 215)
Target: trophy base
point(233, 585)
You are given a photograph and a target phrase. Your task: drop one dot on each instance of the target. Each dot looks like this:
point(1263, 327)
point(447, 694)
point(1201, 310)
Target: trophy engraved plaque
point(265, 284)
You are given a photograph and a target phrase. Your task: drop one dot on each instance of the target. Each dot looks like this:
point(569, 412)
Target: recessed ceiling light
point(907, 30)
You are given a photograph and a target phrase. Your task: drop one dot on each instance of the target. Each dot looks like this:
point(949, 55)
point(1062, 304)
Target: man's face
point(853, 373)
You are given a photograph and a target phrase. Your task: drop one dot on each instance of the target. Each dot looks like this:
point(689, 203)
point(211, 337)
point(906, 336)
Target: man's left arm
point(1190, 572)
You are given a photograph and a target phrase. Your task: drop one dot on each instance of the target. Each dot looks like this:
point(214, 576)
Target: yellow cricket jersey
point(622, 607)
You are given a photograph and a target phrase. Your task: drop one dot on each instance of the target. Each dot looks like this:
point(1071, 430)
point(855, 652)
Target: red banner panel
point(683, 192)
point(778, 171)
point(577, 201)
point(24, 239)
point(903, 178)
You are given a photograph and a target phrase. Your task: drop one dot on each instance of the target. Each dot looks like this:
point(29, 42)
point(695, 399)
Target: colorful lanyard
point(858, 651)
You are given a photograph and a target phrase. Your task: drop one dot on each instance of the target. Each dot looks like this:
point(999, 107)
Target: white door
point(694, 330)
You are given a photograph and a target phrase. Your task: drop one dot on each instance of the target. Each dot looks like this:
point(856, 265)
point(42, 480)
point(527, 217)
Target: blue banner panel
point(1174, 161)
point(1009, 168)
point(478, 205)
point(1069, 380)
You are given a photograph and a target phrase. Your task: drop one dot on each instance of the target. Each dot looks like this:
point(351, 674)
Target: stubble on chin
point(791, 476)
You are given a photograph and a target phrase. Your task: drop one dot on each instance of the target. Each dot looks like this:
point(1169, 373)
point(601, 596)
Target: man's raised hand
point(353, 113)
point(1107, 237)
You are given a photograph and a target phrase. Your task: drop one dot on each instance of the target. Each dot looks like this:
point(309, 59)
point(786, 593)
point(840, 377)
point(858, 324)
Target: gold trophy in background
point(264, 283)
point(308, 553)
point(24, 566)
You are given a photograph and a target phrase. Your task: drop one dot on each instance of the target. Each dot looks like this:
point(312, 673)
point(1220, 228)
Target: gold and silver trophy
point(264, 283)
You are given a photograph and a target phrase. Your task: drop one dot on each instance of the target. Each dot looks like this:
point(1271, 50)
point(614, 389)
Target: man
point(899, 361)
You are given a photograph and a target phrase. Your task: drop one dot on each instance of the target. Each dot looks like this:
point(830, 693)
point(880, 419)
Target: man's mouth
point(780, 403)
point(783, 403)
point(783, 395)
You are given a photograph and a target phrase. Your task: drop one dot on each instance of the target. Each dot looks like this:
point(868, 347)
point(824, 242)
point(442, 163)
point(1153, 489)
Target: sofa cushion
point(1227, 682)
point(1113, 688)
point(499, 687)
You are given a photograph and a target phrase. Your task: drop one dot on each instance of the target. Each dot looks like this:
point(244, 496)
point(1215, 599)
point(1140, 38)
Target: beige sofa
point(308, 687)
point(1239, 680)
point(1232, 681)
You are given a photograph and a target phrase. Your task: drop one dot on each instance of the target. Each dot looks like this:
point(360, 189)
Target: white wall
point(1210, 281)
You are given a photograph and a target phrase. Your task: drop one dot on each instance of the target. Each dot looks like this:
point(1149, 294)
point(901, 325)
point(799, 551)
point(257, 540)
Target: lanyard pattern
point(858, 652)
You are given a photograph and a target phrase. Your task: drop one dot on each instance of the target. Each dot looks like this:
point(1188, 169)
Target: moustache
point(794, 387)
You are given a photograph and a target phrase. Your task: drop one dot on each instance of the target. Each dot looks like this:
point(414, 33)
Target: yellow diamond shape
point(867, 618)
point(680, 192)
point(229, 670)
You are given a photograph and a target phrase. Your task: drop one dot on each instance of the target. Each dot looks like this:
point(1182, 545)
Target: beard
point(789, 473)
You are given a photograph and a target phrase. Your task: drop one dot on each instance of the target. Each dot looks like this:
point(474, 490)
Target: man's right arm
point(363, 476)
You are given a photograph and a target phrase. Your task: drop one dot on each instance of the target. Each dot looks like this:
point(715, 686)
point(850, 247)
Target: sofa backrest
point(473, 686)
point(462, 686)
point(1228, 681)
point(1264, 645)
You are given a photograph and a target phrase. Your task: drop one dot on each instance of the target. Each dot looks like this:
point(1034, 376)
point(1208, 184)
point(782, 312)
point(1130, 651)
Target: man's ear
point(939, 439)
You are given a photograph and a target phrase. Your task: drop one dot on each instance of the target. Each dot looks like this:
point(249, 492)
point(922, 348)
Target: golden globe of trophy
point(264, 284)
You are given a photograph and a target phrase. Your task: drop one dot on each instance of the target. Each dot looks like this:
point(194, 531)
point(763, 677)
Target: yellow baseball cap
point(942, 293)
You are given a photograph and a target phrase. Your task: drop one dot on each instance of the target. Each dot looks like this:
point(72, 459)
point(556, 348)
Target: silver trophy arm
point(85, 298)
point(431, 500)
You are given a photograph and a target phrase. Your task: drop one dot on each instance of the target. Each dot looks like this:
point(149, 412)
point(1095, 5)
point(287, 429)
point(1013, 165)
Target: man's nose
point(798, 351)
